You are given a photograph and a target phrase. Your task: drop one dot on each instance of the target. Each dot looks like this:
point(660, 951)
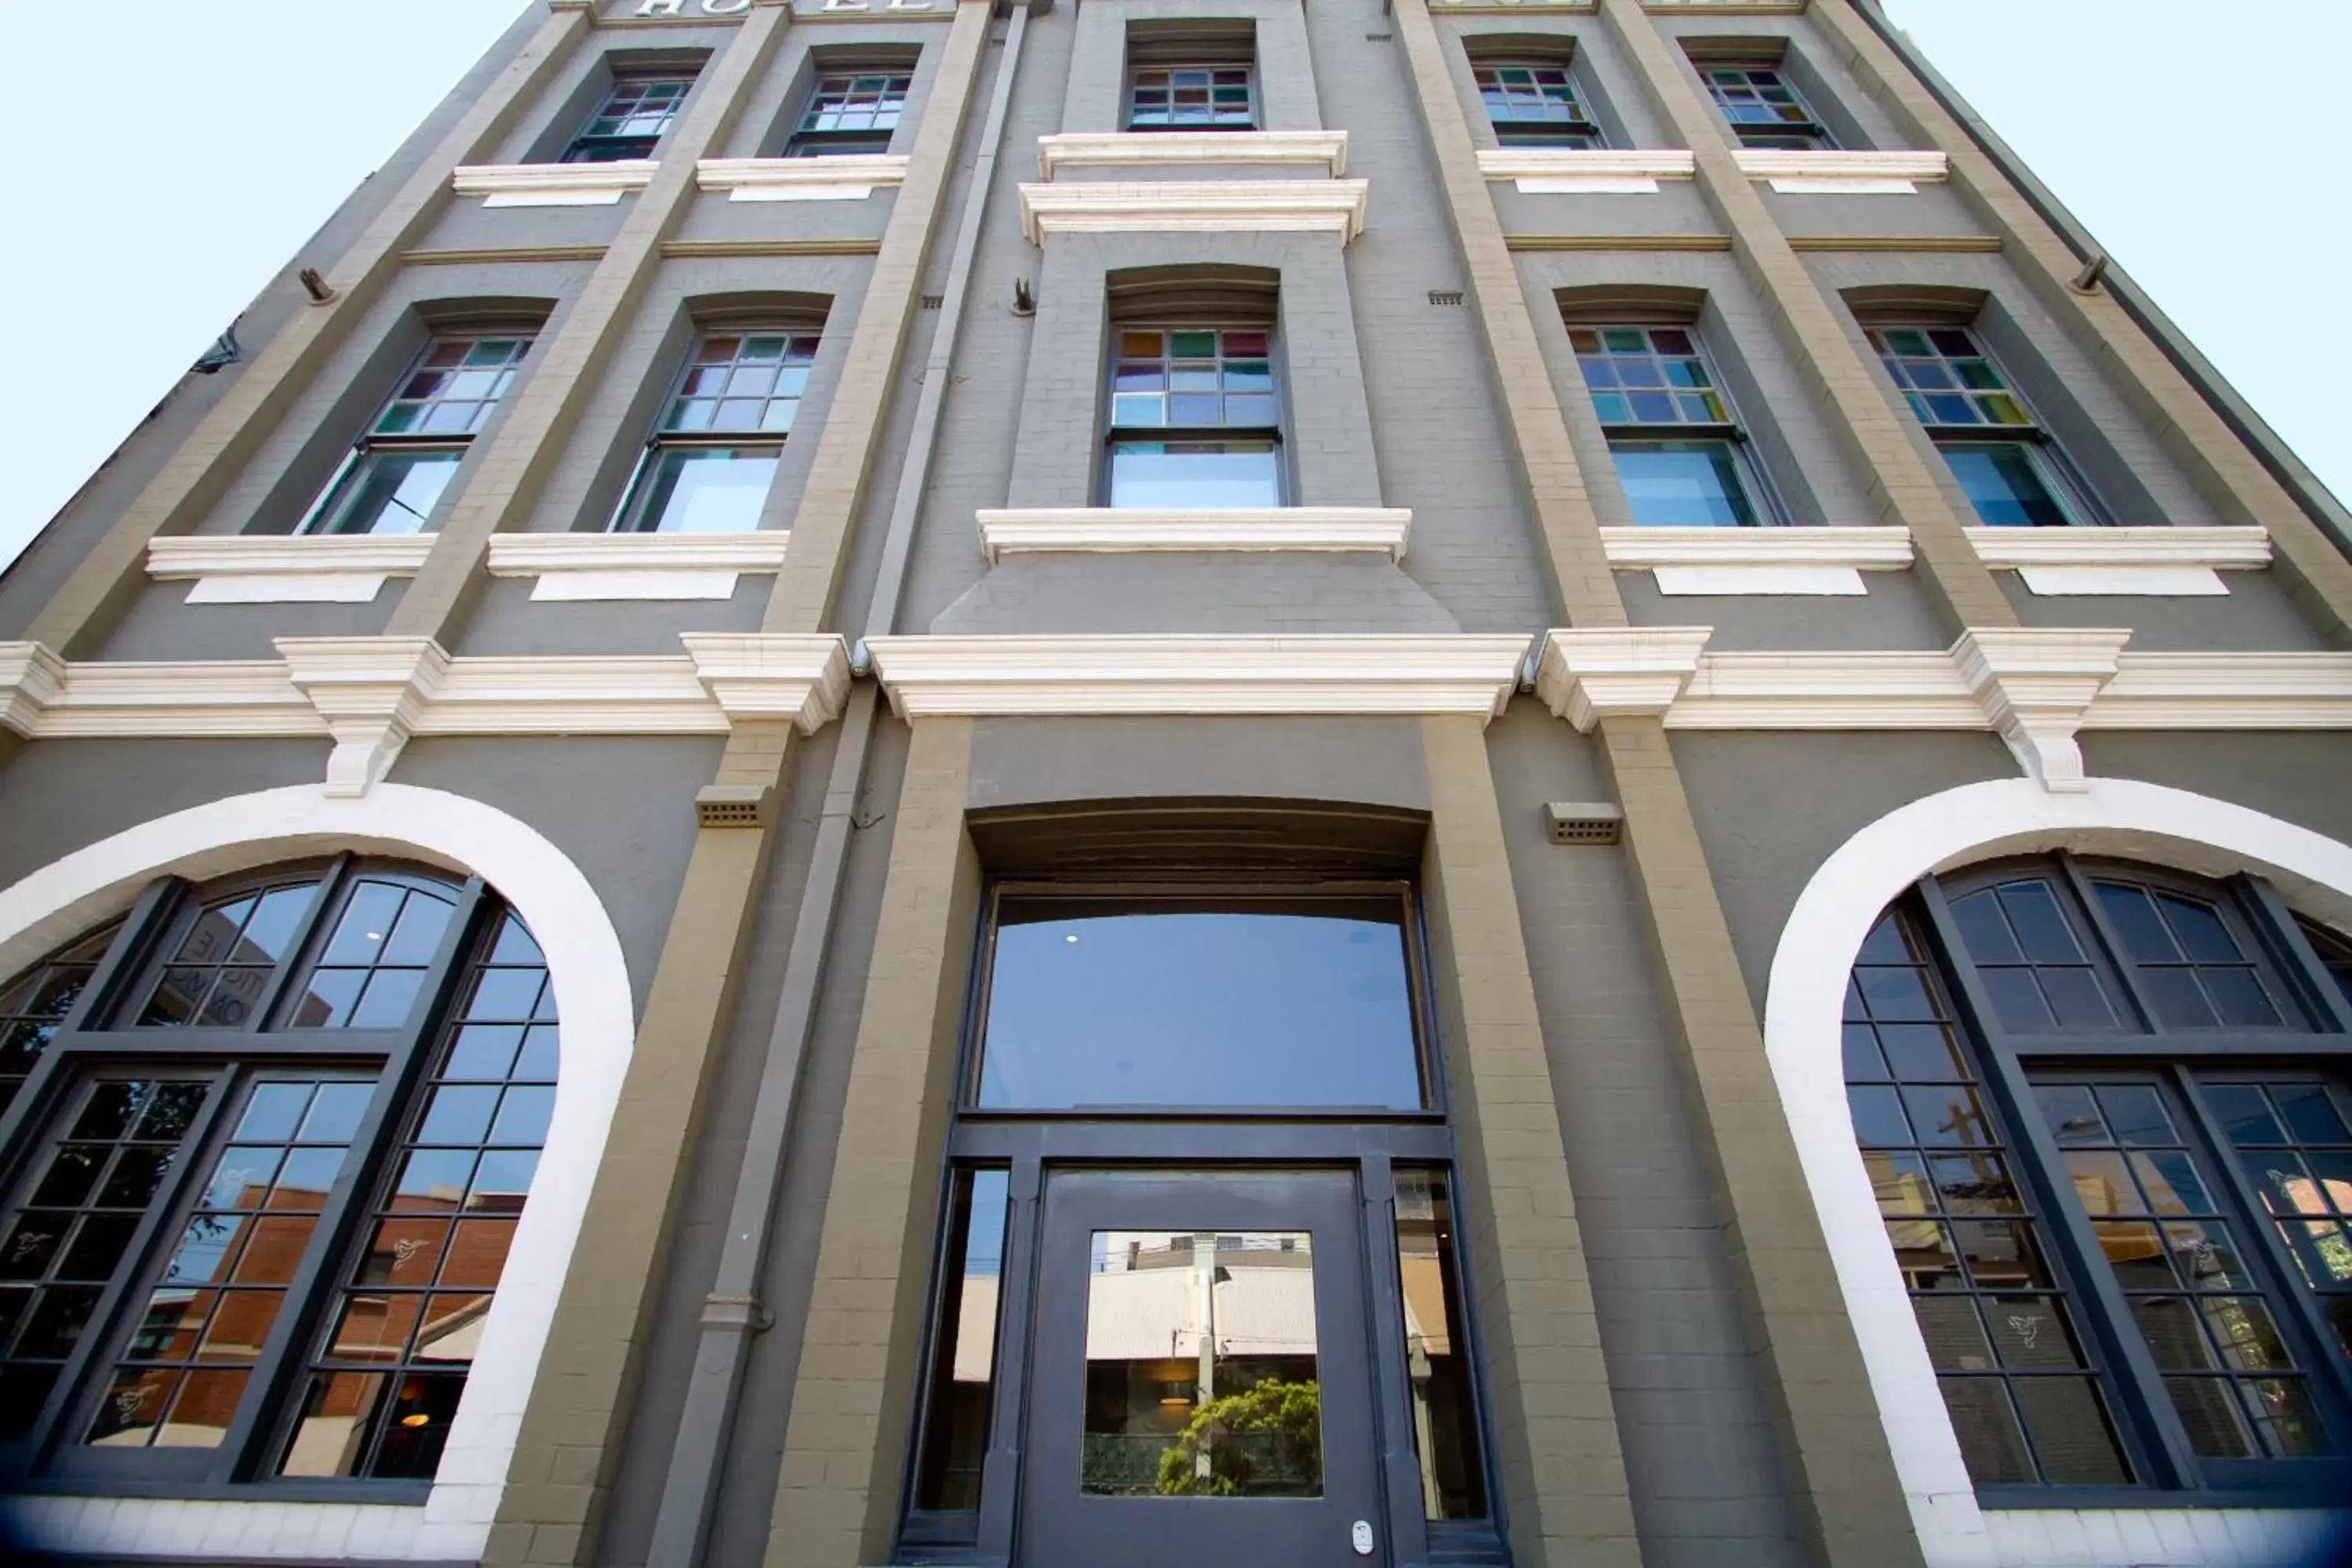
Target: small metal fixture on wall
point(1024, 303)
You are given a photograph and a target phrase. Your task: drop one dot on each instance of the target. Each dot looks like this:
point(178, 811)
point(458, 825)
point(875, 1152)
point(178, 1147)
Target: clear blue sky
point(2185, 133)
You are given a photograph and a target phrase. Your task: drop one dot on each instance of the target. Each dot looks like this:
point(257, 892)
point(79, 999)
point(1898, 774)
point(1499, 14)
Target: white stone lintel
point(573, 567)
point(285, 569)
point(1197, 206)
point(1841, 172)
point(1117, 529)
point(1582, 170)
point(1587, 675)
point(1808, 562)
point(2149, 563)
point(840, 176)
point(1191, 149)
point(553, 184)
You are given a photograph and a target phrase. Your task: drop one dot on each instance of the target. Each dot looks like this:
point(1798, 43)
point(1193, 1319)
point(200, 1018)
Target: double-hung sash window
point(631, 120)
point(1194, 420)
point(397, 471)
point(1677, 441)
point(2010, 470)
point(260, 1176)
point(709, 466)
point(1531, 104)
point(2106, 1116)
point(850, 113)
point(1765, 110)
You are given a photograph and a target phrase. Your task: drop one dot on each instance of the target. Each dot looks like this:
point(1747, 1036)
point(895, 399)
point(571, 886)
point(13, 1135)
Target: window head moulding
point(1795, 561)
point(1177, 150)
point(553, 184)
point(285, 569)
point(1838, 173)
point(837, 177)
point(1118, 530)
point(2124, 561)
point(1212, 206)
point(575, 567)
point(1580, 171)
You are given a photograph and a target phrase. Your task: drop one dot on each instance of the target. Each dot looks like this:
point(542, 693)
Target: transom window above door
point(2106, 1114)
point(269, 1144)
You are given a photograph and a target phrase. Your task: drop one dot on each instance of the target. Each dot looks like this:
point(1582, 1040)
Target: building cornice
point(936, 677)
point(552, 184)
point(1115, 530)
point(1606, 672)
point(1843, 173)
point(1565, 171)
point(2123, 561)
point(1184, 150)
point(846, 176)
point(591, 567)
point(285, 568)
point(1779, 561)
point(1212, 206)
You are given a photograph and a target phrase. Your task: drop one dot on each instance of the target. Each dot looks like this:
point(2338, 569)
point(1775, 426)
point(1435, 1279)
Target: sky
point(168, 191)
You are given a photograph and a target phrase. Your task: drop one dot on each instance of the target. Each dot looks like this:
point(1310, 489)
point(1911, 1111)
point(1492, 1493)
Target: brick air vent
point(1584, 822)
point(732, 806)
point(933, 301)
point(1379, 37)
point(1446, 295)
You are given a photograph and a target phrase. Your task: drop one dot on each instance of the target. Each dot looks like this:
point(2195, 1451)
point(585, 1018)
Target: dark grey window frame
point(2008, 1065)
point(93, 1039)
point(1025, 1145)
point(630, 516)
point(1116, 435)
point(630, 147)
point(1763, 496)
point(1812, 127)
point(350, 473)
point(810, 142)
point(1581, 133)
point(2066, 484)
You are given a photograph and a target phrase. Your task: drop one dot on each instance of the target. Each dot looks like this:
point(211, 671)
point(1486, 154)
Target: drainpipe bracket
point(742, 1314)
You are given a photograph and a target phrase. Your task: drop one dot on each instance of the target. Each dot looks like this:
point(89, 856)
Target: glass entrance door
point(1199, 1393)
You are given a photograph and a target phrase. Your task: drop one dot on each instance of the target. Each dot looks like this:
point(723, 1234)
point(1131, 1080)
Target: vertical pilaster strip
point(844, 1448)
point(192, 482)
point(1842, 1473)
point(802, 600)
point(499, 493)
point(1897, 474)
point(2193, 435)
point(565, 1451)
point(1564, 518)
point(1562, 1465)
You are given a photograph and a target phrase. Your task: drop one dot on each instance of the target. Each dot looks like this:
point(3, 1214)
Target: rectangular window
point(1194, 421)
point(1099, 1001)
point(1436, 1350)
point(708, 467)
point(1534, 105)
point(850, 113)
point(631, 120)
point(2012, 473)
point(1679, 447)
point(1191, 97)
point(963, 1362)
point(1764, 110)
point(397, 473)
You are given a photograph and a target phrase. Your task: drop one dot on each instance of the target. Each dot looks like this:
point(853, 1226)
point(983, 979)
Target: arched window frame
point(2314, 1035)
point(100, 1030)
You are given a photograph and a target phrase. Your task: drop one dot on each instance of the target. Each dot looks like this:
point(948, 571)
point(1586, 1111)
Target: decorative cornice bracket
point(756, 675)
point(31, 675)
point(370, 691)
point(2036, 685)
point(1605, 672)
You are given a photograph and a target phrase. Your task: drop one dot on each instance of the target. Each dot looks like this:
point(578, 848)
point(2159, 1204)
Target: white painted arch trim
point(553, 184)
point(592, 994)
point(1582, 170)
point(1188, 149)
point(285, 568)
point(1107, 529)
point(1196, 206)
point(1803, 1004)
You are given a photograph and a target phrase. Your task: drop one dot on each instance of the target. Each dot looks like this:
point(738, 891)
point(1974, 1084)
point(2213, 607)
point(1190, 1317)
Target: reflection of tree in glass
point(1267, 1441)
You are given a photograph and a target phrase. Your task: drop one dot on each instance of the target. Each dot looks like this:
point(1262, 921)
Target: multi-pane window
point(850, 113)
point(2334, 953)
point(2012, 474)
point(1534, 105)
point(710, 462)
point(1677, 445)
point(35, 1005)
point(629, 123)
point(2018, 1377)
point(2134, 1085)
point(1764, 110)
point(1194, 420)
point(227, 1172)
point(1191, 97)
point(397, 473)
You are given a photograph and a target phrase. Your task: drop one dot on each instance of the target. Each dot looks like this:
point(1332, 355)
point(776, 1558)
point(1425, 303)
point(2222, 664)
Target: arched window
point(265, 1147)
point(2105, 1111)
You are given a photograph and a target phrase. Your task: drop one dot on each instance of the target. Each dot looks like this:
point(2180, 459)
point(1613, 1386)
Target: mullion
point(2118, 1360)
point(2282, 938)
point(301, 956)
point(2112, 956)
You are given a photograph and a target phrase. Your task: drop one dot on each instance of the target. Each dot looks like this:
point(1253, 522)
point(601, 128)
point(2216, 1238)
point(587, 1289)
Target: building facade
point(1394, 781)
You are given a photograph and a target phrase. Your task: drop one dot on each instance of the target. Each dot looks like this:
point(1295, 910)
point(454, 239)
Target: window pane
point(35, 1003)
point(1683, 484)
point(388, 492)
point(1240, 1002)
point(2004, 484)
point(955, 1436)
point(1207, 476)
point(1437, 1353)
point(1201, 1377)
point(387, 1378)
point(703, 489)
